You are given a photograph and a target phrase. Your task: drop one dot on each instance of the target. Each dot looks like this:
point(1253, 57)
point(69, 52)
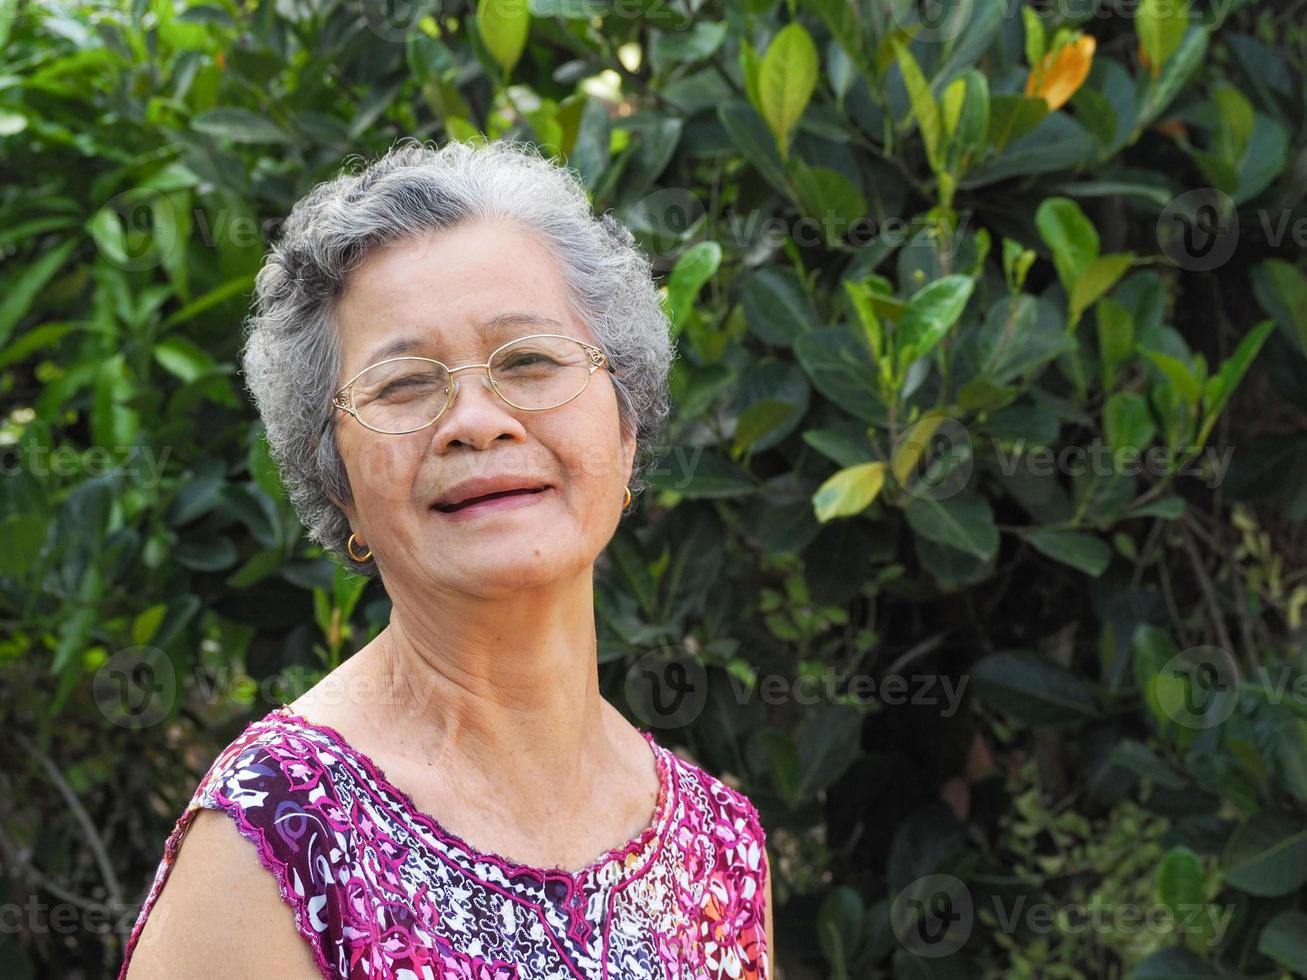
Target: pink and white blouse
point(380, 889)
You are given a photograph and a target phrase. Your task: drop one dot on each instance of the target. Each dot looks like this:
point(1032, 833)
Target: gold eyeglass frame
point(344, 398)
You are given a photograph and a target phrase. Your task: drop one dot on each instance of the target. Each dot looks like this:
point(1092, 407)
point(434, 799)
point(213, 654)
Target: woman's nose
point(485, 382)
point(476, 425)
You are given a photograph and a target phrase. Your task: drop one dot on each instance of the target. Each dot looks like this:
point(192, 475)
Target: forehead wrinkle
point(491, 329)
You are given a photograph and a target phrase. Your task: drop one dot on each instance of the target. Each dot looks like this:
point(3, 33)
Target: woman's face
point(439, 290)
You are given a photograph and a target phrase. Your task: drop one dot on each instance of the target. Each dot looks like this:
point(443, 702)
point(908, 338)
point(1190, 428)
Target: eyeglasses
point(533, 373)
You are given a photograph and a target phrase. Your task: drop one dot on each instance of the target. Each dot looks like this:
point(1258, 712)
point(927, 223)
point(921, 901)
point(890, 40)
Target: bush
point(979, 522)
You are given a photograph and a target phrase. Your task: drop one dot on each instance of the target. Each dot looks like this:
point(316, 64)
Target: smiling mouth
point(452, 508)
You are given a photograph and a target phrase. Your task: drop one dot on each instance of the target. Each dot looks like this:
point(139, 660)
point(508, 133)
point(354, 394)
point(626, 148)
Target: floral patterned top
point(380, 889)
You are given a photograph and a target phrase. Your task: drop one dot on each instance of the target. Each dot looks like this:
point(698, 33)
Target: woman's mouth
point(492, 502)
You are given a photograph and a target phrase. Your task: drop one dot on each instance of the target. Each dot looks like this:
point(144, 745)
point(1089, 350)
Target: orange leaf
point(1062, 71)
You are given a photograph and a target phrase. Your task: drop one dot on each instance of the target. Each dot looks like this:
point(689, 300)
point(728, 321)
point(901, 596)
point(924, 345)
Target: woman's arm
point(769, 916)
point(220, 914)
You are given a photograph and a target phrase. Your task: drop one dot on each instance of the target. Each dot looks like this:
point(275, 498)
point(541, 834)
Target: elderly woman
point(458, 368)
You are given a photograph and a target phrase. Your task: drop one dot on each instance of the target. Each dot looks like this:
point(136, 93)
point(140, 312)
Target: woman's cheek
point(382, 468)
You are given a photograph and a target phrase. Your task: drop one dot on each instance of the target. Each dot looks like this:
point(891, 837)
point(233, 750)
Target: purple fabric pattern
point(380, 889)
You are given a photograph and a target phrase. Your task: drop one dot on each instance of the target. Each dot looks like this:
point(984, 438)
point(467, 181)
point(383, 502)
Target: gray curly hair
point(291, 357)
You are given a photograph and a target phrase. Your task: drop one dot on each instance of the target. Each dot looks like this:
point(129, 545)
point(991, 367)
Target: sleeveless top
point(380, 889)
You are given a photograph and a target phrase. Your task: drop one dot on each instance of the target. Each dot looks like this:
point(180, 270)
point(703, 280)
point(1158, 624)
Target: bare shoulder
point(220, 911)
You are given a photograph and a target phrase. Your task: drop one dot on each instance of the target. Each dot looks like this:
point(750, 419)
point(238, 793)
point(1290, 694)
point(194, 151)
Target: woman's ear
point(346, 509)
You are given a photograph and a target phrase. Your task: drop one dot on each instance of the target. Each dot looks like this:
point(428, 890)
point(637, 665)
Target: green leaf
point(8, 14)
point(1176, 963)
point(756, 421)
point(924, 108)
point(218, 294)
point(503, 26)
point(700, 474)
point(849, 491)
point(786, 81)
point(836, 363)
point(1236, 118)
point(1127, 422)
point(839, 925)
point(1075, 548)
point(1284, 939)
point(1036, 40)
point(1136, 757)
point(1070, 236)
point(828, 745)
point(911, 446)
point(750, 68)
point(1017, 260)
point(1177, 72)
point(258, 567)
point(1159, 195)
point(1281, 289)
point(1032, 690)
point(239, 126)
point(1015, 339)
point(1097, 278)
point(1220, 386)
point(1059, 143)
point(114, 422)
point(182, 358)
point(20, 292)
point(1179, 374)
point(1161, 25)
point(929, 315)
point(829, 199)
point(1165, 508)
point(964, 522)
point(1180, 880)
point(693, 269)
point(23, 535)
point(206, 552)
point(872, 332)
point(261, 466)
point(755, 143)
point(847, 445)
point(775, 306)
point(1267, 856)
point(1115, 339)
point(965, 120)
point(1013, 116)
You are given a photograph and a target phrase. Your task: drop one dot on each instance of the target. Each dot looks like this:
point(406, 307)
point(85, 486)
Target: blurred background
point(975, 555)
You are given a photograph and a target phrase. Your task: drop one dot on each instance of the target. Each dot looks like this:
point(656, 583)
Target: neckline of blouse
point(627, 853)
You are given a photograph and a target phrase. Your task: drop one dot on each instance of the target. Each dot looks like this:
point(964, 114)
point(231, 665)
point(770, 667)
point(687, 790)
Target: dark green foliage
point(981, 507)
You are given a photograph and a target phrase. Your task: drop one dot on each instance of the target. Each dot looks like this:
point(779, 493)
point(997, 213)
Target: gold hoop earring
point(349, 546)
point(627, 501)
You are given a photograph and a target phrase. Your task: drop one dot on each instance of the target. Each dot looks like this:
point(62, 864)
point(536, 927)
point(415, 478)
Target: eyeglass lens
point(534, 373)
